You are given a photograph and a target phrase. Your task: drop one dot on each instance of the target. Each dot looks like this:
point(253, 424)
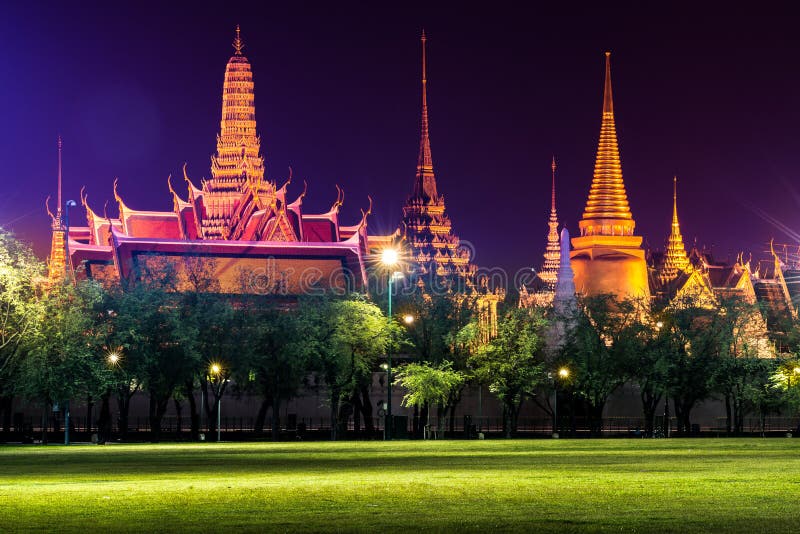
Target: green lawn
point(677, 485)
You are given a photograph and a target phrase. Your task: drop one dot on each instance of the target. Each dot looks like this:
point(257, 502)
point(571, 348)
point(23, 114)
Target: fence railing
point(525, 425)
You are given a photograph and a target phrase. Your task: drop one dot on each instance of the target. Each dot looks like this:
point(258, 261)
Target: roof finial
point(553, 204)
point(237, 42)
point(425, 184)
point(608, 101)
point(58, 207)
point(674, 199)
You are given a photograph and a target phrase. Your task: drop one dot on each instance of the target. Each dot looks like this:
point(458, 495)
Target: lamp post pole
point(67, 263)
point(388, 424)
point(555, 407)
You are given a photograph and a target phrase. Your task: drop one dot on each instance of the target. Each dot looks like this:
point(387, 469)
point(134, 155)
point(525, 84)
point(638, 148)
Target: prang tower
point(433, 248)
point(607, 257)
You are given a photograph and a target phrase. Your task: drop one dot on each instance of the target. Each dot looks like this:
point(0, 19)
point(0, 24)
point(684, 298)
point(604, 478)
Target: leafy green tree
point(427, 384)
point(62, 355)
point(437, 335)
point(512, 363)
point(159, 345)
point(279, 355)
point(19, 272)
point(605, 337)
point(350, 334)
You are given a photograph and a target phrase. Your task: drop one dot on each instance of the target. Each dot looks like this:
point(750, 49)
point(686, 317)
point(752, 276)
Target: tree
point(512, 363)
point(437, 336)
point(19, 272)
point(427, 384)
point(159, 345)
point(606, 335)
point(62, 356)
point(280, 355)
point(350, 334)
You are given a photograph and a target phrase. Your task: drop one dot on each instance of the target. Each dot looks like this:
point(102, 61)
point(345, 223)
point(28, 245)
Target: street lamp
point(113, 358)
point(408, 319)
point(215, 371)
point(563, 374)
point(389, 258)
point(69, 204)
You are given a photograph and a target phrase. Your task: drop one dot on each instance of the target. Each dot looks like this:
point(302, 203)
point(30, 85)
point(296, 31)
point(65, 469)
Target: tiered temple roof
point(238, 218)
point(675, 260)
point(552, 254)
point(431, 246)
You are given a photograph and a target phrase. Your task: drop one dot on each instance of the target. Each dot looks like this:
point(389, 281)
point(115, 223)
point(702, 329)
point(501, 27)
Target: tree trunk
point(596, 418)
point(178, 412)
point(728, 418)
point(194, 414)
point(739, 421)
point(6, 405)
point(44, 422)
point(506, 420)
point(123, 406)
point(355, 399)
point(104, 419)
point(276, 404)
point(261, 416)
point(334, 414)
point(89, 416)
point(158, 407)
point(366, 405)
point(650, 402)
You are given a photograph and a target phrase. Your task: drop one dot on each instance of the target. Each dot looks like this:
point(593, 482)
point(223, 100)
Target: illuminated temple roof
point(552, 254)
point(431, 245)
point(675, 259)
point(237, 212)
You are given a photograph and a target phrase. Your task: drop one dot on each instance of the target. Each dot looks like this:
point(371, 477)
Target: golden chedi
point(607, 257)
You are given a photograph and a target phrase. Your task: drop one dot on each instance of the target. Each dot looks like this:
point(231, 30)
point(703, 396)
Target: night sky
point(135, 91)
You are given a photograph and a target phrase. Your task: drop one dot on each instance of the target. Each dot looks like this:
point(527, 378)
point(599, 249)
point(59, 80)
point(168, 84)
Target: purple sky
point(135, 91)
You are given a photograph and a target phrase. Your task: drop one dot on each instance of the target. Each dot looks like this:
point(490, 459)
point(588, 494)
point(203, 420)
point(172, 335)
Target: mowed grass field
point(676, 485)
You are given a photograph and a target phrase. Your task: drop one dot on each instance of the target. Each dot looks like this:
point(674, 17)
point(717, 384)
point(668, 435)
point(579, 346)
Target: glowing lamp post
point(389, 258)
point(69, 204)
point(215, 371)
point(563, 374)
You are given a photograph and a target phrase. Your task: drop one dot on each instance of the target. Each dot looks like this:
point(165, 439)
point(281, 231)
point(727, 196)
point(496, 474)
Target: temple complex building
point(541, 291)
point(253, 236)
point(432, 253)
point(607, 257)
point(430, 245)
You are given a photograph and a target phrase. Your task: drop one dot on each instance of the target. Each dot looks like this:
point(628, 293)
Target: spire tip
point(237, 42)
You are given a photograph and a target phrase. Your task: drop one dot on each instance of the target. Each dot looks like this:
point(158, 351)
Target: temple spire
point(58, 206)
point(553, 191)
point(607, 211)
point(675, 259)
point(552, 254)
point(608, 100)
point(238, 44)
point(425, 183)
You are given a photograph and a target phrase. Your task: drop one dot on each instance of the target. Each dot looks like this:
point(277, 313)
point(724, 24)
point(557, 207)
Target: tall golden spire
point(607, 211)
point(58, 256)
point(238, 157)
point(675, 259)
point(425, 183)
point(552, 254)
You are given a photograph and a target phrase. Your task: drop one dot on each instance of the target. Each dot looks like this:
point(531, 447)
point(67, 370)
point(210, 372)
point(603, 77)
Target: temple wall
point(610, 271)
